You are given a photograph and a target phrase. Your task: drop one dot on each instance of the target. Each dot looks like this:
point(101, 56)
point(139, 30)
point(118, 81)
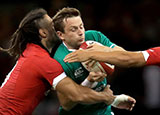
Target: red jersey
point(26, 84)
point(152, 56)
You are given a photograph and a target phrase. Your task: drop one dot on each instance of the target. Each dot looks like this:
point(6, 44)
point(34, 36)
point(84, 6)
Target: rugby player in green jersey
point(70, 29)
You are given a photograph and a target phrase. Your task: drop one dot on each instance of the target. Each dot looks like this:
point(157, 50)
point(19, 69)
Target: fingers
point(108, 88)
point(132, 101)
point(99, 78)
point(90, 64)
point(77, 56)
point(70, 57)
point(96, 76)
point(131, 108)
point(90, 46)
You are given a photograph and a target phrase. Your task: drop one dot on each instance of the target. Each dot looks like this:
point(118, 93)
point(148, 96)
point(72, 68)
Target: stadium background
point(132, 24)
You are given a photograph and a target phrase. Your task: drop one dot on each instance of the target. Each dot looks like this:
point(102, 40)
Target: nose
point(80, 32)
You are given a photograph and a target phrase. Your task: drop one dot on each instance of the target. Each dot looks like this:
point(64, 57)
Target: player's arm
point(70, 93)
point(97, 47)
point(118, 48)
point(118, 58)
point(90, 82)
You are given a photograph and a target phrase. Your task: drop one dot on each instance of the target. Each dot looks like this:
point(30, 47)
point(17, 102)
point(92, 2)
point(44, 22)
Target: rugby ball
point(98, 66)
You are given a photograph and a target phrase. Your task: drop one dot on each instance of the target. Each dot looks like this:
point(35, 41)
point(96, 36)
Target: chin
point(82, 42)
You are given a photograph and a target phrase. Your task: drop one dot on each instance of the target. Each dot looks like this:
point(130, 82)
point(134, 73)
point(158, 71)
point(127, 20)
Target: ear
point(60, 35)
point(43, 33)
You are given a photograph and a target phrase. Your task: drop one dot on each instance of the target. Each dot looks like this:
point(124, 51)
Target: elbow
point(66, 107)
point(129, 63)
point(68, 103)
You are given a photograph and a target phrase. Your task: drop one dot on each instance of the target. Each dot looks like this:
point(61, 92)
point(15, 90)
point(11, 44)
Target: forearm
point(120, 58)
point(89, 96)
point(68, 104)
point(75, 93)
point(89, 82)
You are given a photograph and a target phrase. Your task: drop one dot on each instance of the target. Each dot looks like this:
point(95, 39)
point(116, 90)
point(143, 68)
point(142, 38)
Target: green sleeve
point(98, 37)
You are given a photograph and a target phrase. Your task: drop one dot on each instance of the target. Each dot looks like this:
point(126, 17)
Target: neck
point(48, 46)
point(69, 48)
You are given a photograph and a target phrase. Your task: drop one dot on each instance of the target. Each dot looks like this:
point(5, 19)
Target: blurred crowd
point(132, 24)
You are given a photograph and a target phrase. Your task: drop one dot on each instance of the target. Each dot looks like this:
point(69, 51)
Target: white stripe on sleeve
point(145, 54)
point(58, 79)
point(112, 45)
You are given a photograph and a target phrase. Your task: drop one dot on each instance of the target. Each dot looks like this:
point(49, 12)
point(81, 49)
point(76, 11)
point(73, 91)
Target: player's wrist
point(89, 84)
point(118, 99)
point(108, 99)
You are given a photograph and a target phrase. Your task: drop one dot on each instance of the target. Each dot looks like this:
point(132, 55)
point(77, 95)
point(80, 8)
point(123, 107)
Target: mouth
point(81, 40)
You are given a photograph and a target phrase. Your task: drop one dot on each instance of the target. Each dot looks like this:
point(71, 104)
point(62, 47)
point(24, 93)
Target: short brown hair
point(62, 14)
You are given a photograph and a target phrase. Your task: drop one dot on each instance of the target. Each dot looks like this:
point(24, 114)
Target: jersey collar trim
point(72, 50)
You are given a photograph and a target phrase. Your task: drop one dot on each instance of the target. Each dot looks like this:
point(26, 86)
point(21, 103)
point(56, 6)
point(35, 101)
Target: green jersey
point(78, 73)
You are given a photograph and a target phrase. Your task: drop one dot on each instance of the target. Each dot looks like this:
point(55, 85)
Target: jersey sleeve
point(52, 71)
point(153, 57)
point(98, 37)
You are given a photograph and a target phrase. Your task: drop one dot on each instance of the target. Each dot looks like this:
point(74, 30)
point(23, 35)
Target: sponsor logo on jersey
point(78, 72)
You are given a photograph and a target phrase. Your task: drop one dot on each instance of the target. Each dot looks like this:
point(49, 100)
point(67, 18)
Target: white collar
point(68, 48)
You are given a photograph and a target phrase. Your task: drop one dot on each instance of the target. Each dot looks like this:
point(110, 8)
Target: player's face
point(73, 35)
point(51, 33)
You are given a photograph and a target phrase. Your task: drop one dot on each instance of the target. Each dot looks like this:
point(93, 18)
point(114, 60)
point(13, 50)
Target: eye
point(81, 26)
point(73, 29)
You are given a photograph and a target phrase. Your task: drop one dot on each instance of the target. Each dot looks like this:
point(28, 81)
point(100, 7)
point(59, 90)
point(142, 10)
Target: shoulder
point(91, 32)
point(60, 52)
point(98, 37)
point(43, 61)
point(94, 34)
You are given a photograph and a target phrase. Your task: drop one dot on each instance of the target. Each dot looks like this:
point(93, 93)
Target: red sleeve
point(50, 69)
point(154, 56)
